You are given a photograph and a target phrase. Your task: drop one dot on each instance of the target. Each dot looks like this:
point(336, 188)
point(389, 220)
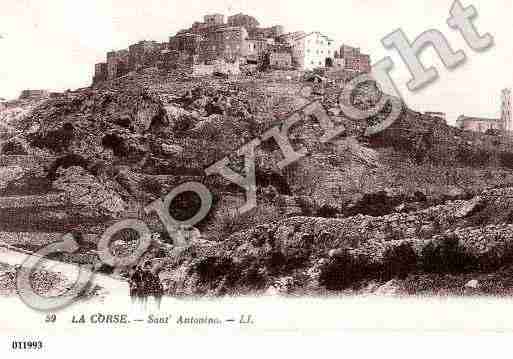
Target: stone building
point(246, 21)
point(215, 19)
point(227, 43)
point(187, 42)
point(339, 63)
point(272, 32)
point(478, 124)
point(241, 40)
point(354, 60)
point(100, 72)
point(503, 124)
point(258, 49)
point(117, 63)
point(143, 54)
point(280, 56)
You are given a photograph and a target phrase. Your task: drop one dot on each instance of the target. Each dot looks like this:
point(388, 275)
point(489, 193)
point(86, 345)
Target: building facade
point(310, 51)
point(214, 19)
point(477, 124)
point(143, 54)
point(354, 60)
point(227, 43)
point(117, 63)
point(280, 56)
point(503, 124)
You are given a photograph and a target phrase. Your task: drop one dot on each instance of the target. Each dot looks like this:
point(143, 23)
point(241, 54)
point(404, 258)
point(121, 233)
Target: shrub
point(307, 206)
point(66, 162)
point(344, 271)
point(473, 157)
point(116, 144)
point(497, 257)
point(151, 185)
point(229, 222)
point(398, 262)
point(14, 147)
point(327, 211)
point(506, 159)
point(447, 256)
point(56, 140)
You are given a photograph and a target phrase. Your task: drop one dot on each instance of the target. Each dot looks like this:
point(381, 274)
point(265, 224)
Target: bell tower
point(506, 111)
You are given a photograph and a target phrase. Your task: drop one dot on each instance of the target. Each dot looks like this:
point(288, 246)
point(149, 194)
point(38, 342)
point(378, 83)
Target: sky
point(54, 44)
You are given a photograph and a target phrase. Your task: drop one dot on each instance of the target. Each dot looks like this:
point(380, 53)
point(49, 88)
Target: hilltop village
point(216, 45)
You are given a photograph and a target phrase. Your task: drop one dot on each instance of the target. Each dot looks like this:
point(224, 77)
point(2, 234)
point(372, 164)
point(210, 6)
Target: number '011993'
point(27, 345)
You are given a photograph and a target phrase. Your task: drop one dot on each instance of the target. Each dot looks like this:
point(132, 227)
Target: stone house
point(214, 19)
point(100, 72)
point(354, 60)
point(280, 56)
point(117, 63)
point(227, 43)
point(187, 42)
point(143, 54)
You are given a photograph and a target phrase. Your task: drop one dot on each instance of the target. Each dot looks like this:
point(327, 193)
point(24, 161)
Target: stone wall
point(221, 66)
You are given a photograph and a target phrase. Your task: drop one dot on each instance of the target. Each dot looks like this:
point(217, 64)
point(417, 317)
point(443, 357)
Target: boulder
point(172, 150)
point(391, 288)
point(453, 193)
point(9, 174)
point(470, 207)
point(473, 284)
point(15, 146)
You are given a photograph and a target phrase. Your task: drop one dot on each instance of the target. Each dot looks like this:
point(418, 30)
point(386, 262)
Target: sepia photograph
point(229, 166)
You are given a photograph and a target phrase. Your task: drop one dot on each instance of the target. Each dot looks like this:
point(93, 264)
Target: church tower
point(506, 111)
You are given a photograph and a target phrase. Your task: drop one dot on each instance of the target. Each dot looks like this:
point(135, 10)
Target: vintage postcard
point(252, 167)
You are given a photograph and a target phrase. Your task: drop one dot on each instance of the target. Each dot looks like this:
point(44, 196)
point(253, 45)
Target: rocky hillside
point(419, 201)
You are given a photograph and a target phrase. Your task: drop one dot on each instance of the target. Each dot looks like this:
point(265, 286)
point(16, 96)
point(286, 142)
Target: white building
point(310, 51)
